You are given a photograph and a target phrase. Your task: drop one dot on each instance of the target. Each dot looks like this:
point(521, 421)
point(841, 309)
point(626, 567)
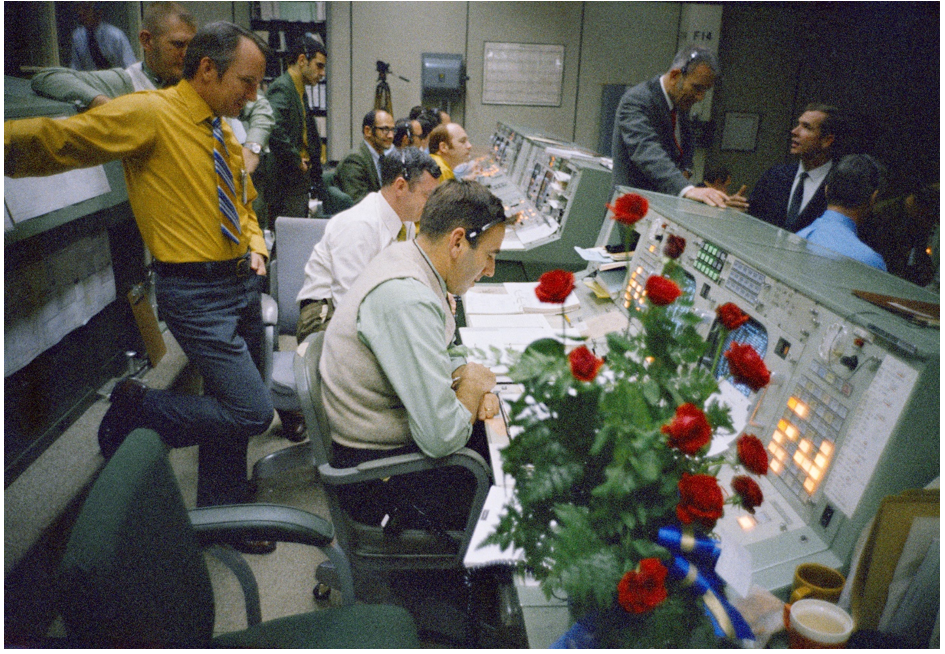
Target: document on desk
point(508, 320)
point(504, 340)
point(479, 555)
point(477, 302)
point(524, 292)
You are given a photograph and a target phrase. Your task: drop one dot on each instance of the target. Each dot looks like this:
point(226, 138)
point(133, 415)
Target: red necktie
point(672, 118)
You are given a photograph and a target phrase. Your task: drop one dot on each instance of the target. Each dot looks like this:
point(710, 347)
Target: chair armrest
point(219, 524)
point(261, 522)
point(404, 464)
point(270, 309)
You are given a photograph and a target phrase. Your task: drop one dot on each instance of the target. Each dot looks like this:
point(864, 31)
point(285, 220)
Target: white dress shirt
point(352, 238)
point(815, 177)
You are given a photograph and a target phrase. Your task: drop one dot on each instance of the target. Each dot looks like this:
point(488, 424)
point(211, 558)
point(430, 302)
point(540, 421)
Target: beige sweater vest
point(363, 409)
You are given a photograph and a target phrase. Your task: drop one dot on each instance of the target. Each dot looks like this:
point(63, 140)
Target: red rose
point(731, 316)
point(689, 431)
point(747, 367)
point(749, 491)
point(675, 246)
point(752, 454)
point(555, 286)
point(661, 291)
point(584, 365)
point(700, 499)
point(629, 208)
point(642, 590)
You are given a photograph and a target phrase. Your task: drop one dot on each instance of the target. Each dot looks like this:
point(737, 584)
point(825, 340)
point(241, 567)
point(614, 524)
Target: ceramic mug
point(816, 624)
point(816, 581)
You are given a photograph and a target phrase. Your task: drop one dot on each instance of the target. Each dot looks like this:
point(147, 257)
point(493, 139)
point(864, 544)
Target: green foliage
point(594, 477)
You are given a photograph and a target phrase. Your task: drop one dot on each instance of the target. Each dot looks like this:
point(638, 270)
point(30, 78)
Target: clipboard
point(915, 311)
point(147, 323)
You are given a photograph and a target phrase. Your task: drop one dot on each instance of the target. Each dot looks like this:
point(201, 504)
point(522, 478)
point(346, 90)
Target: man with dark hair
point(407, 133)
point(166, 30)
point(194, 210)
point(356, 235)
point(294, 163)
point(717, 177)
point(851, 189)
point(791, 196)
point(359, 172)
point(390, 382)
point(449, 146)
point(652, 142)
point(428, 123)
point(97, 45)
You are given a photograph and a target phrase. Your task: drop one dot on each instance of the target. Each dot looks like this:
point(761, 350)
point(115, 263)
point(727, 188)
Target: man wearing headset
point(355, 236)
point(653, 143)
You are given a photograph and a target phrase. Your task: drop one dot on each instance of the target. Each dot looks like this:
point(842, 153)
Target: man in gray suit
point(653, 144)
point(359, 172)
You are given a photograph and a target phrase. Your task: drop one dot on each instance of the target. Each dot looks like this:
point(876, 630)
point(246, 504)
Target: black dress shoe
point(255, 546)
point(122, 417)
point(293, 425)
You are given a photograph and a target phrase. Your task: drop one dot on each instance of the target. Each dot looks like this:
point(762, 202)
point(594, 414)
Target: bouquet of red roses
point(615, 495)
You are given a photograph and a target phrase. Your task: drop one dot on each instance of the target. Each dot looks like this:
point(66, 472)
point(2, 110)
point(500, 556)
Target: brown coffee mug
point(816, 624)
point(816, 581)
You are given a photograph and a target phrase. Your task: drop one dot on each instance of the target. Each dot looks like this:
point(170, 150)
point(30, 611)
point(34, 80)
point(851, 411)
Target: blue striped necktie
point(226, 190)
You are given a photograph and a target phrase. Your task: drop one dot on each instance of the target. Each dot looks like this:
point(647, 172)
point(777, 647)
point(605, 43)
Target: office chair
point(134, 573)
point(337, 200)
point(369, 547)
point(295, 238)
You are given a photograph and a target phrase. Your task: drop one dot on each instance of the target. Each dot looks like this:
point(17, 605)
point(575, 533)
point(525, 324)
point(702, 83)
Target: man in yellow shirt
point(449, 147)
point(192, 200)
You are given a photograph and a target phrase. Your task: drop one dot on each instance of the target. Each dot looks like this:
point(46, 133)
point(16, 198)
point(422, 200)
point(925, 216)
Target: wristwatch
point(255, 148)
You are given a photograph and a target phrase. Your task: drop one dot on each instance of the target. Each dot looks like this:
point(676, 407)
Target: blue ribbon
point(686, 541)
point(690, 550)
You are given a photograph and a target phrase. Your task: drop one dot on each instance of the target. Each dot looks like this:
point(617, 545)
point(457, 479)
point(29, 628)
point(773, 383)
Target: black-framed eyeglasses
point(473, 234)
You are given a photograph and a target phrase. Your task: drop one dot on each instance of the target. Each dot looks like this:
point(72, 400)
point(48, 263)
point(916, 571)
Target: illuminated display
point(802, 444)
point(710, 260)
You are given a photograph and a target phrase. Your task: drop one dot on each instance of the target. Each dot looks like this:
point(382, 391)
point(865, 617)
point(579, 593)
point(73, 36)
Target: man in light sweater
point(390, 382)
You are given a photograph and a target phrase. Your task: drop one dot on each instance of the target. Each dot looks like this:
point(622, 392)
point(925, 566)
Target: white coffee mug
point(815, 623)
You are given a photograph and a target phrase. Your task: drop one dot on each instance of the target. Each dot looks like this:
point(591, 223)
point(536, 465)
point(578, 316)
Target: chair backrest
point(133, 573)
point(309, 387)
point(295, 238)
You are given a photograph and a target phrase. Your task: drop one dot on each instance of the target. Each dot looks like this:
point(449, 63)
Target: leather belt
point(238, 268)
point(307, 301)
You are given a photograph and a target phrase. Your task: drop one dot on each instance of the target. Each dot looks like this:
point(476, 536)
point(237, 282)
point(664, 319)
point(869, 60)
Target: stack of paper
point(524, 293)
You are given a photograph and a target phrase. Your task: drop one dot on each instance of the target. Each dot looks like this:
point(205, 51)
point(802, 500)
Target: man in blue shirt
point(851, 188)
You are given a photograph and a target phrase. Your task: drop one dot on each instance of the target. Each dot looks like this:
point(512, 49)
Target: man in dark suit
point(359, 172)
point(294, 162)
point(791, 196)
point(652, 143)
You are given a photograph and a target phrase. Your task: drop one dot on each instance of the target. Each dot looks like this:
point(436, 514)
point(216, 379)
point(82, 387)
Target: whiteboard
point(522, 74)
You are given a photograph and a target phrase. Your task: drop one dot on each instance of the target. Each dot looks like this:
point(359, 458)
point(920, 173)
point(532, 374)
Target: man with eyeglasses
point(355, 236)
point(391, 382)
point(653, 142)
point(359, 172)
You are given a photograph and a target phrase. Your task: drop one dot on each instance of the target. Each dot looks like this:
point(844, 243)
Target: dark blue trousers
point(218, 325)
